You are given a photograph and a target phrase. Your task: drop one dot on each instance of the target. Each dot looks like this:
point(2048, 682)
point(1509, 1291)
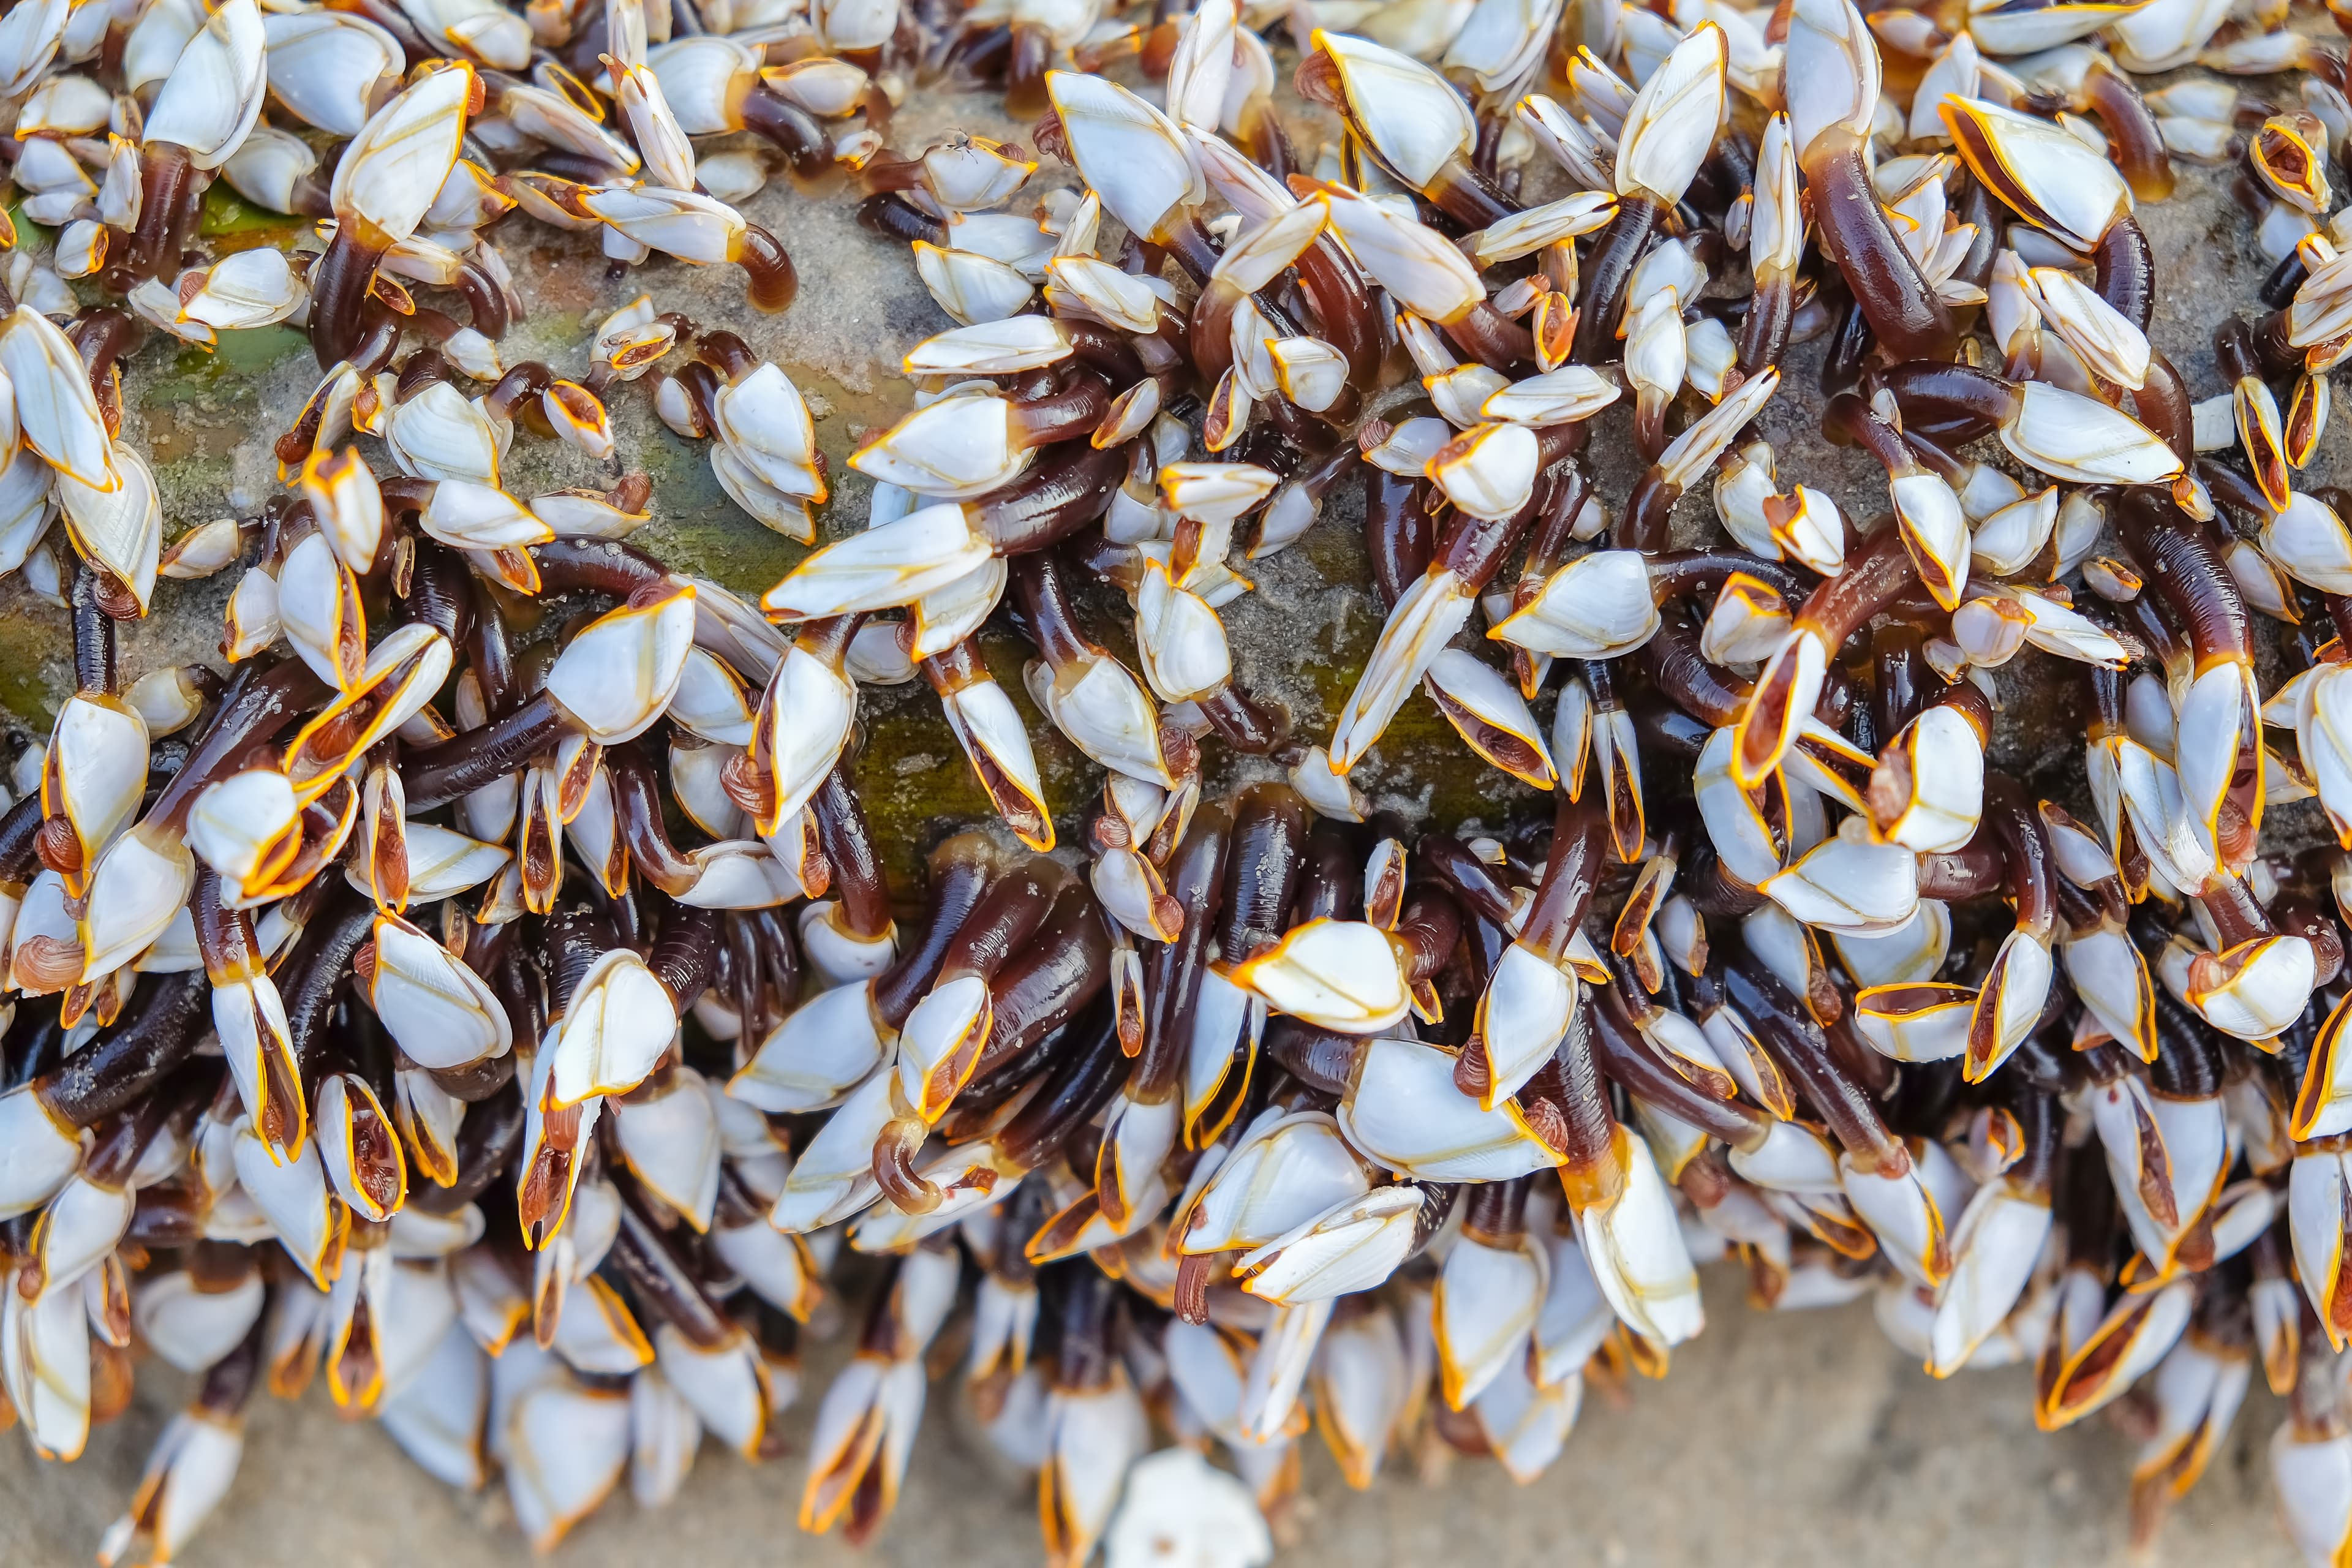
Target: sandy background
point(1778, 1438)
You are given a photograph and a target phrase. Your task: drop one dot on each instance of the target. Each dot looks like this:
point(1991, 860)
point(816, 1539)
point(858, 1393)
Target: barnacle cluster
point(516, 1030)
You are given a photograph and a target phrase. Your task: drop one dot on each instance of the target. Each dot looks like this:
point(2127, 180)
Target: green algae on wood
point(224, 371)
point(232, 224)
point(36, 658)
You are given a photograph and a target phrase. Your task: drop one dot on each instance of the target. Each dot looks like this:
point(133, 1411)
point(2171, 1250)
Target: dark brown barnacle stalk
point(1195, 878)
point(1802, 1052)
point(1392, 103)
point(637, 805)
point(943, 1034)
point(1790, 682)
point(1629, 1061)
point(145, 1044)
point(888, 213)
point(788, 128)
point(860, 917)
point(384, 187)
point(207, 105)
point(660, 1278)
point(2134, 132)
point(2221, 774)
point(1531, 992)
point(1057, 974)
point(1060, 496)
point(1901, 306)
point(940, 996)
point(105, 336)
point(1428, 275)
point(1567, 1105)
point(1241, 272)
point(2048, 177)
point(1776, 247)
point(1400, 535)
point(960, 870)
point(1501, 478)
point(1658, 160)
point(258, 705)
point(1082, 1080)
